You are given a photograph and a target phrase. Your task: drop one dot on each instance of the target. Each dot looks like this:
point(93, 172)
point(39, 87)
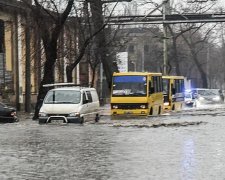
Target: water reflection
point(188, 161)
point(101, 151)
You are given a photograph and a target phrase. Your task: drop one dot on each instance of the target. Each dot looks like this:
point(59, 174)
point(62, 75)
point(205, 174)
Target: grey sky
point(136, 6)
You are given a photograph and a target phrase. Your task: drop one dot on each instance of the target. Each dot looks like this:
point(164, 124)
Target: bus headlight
point(143, 106)
point(115, 107)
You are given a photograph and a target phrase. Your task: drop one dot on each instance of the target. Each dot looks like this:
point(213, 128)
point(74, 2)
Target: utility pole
point(166, 11)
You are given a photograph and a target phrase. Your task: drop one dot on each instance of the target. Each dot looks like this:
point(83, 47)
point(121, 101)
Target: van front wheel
point(151, 111)
point(81, 120)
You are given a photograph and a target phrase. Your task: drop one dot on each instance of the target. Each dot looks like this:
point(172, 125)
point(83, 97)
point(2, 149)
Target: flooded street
point(117, 150)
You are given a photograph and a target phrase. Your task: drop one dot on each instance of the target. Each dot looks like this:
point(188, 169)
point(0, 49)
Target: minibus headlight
point(74, 114)
point(42, 114)
point(143, 106)
point(115, 107)
point(166, 104)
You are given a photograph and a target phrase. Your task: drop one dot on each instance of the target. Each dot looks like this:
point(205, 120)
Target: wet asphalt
point(186, 145)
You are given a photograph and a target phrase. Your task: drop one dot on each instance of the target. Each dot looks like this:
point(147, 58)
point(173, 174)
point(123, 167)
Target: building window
point(131, 48)
point(146, 48)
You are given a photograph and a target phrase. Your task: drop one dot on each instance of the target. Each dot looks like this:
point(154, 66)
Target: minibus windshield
point(63, 97)
point(129, 86)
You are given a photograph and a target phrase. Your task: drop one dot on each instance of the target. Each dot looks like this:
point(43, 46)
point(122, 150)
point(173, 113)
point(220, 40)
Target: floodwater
point(117, 149)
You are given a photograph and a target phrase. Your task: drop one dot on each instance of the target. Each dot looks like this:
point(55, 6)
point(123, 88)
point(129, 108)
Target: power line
point(169, 19)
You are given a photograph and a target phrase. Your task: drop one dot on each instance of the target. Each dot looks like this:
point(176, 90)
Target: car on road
point(7, 114)
point(207, 96)
point(188, 98)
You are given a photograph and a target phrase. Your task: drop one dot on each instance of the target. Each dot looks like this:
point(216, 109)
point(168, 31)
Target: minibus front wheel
point(81, 120)
point(159, 110)
point(173, 108)
point(151, 111)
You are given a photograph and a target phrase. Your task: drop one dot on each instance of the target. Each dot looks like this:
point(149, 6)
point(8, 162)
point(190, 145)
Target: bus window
point(155, 84)
point(129, 86)
point(159, 84)
point(179, 85)
point(151, 88)
point(165, 86)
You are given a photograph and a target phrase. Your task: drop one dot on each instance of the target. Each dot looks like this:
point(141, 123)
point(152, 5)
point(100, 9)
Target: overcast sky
point(145, 9)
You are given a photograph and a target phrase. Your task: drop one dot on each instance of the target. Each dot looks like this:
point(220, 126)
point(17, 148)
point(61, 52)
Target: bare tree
point(97, 35)
point(196, 43)
point(50, 23)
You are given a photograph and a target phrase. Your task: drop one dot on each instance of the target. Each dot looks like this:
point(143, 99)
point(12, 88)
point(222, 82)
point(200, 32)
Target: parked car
point(70, 105)
point(7, 114)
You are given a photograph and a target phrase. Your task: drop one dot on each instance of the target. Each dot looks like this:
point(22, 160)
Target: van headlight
point(74, 114)
point(42, 114)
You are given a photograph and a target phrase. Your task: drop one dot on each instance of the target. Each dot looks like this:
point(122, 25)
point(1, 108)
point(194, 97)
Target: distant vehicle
point(70, 105)
point(136, 94)
point(7, 114)
point(188, 98)
point(204, 96)
point(173, 92)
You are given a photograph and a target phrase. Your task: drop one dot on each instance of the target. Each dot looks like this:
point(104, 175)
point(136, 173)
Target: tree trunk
point(28, 69)
point(69, 71)
point(201, 71)
point(100, 39)
point(175, 57)
point(48, 78)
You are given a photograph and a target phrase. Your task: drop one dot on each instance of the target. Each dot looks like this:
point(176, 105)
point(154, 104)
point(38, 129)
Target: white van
point(70, 105)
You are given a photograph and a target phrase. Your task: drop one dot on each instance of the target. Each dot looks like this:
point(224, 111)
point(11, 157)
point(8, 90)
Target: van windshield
point(63, 97)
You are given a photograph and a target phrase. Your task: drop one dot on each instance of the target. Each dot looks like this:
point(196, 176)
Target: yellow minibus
point(173, 92)
point(136, 93)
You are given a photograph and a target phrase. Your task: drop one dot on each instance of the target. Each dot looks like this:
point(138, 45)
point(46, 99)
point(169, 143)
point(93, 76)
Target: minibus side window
point(160, 84)
point(151, 88)
point(155, 84)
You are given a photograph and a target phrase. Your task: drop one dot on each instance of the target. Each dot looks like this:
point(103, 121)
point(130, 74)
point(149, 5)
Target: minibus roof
point(137, 73)
point(173, 77)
